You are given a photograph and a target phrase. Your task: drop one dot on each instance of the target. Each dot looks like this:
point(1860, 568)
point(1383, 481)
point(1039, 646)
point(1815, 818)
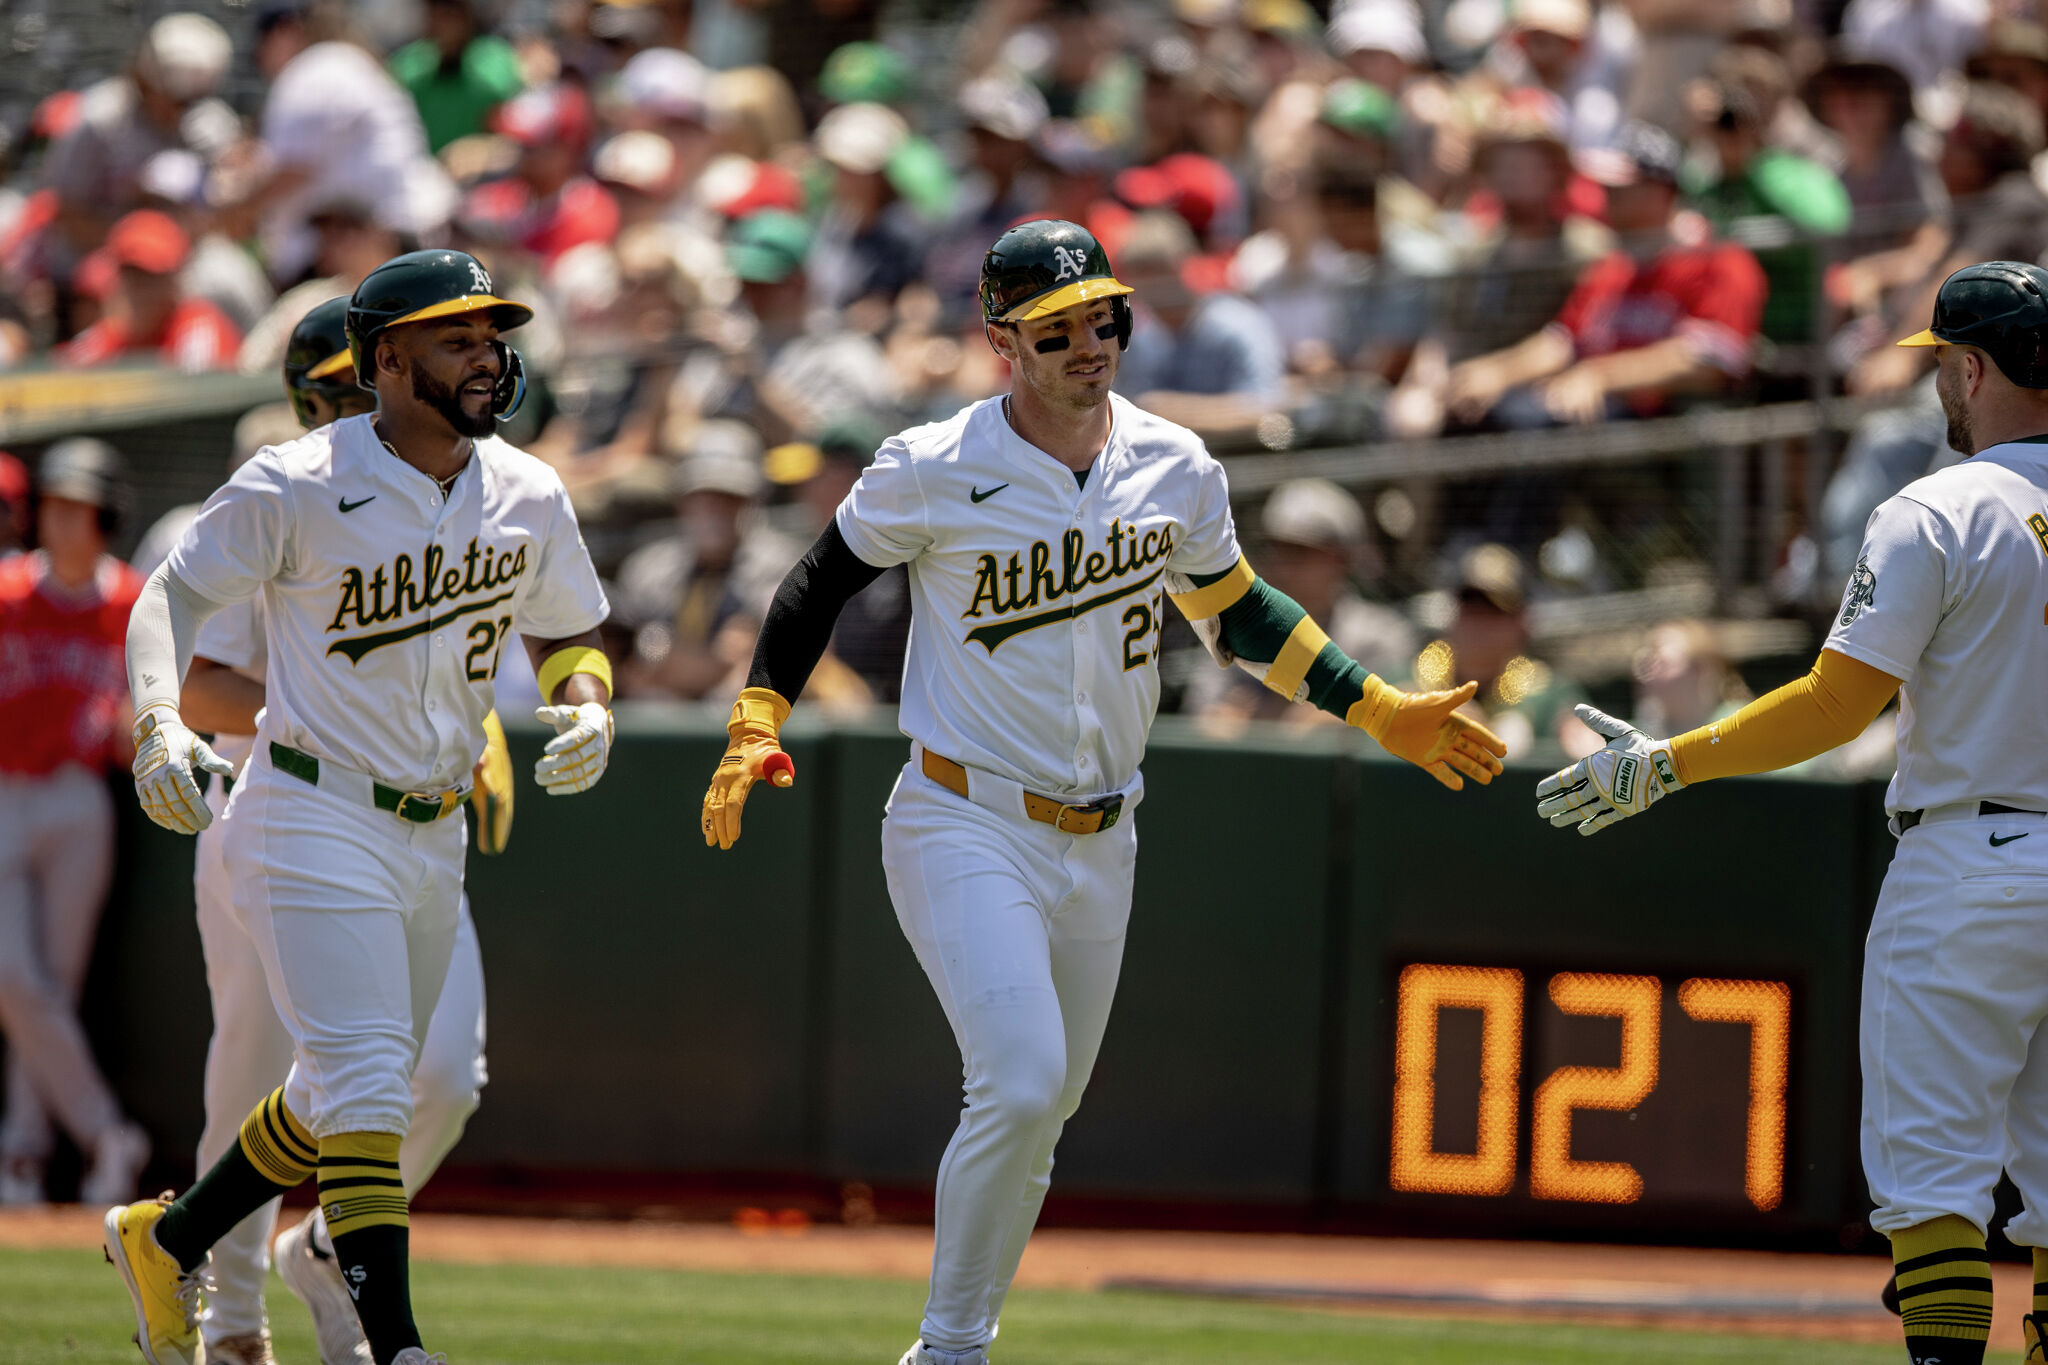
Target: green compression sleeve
point(1266, 626)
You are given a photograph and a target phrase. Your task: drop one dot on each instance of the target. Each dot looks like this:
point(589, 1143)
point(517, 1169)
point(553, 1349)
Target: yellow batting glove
point(490, 796)
point(754, 752)
point(1425, 729)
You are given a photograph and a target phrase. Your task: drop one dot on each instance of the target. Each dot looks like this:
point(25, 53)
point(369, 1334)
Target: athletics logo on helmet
point(2000, 307)
point(421, 286)
point(1037, 268)
point(318, 362)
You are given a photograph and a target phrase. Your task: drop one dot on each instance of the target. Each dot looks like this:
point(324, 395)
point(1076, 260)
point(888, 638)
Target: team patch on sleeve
point(1862, 591)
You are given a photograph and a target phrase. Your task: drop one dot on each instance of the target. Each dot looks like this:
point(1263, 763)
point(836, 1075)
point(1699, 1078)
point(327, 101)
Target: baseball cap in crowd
point(185, 55)
point(1493, 574)
point(1566, 18)
point(1315, 513)
point(176, 175)
point(1641, 151)
point(665, 83)
point(1281, 18)
point(1360, 109)
point(543, 114)
point(850, 440)
point(1071, 147)
point(767, 247)
point(637, 160)
point(149, 241)
point(1010, 108)
point(738, 188)
point(721, 456)
point(1379, 26)
point(1198, 188)
point(861, 137)
point(864, 73)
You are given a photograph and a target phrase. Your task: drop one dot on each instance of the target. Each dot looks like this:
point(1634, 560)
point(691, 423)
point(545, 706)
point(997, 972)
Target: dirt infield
point(1752, 1292)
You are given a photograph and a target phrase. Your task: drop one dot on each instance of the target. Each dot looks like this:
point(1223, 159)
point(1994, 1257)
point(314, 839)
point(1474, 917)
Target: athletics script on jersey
point(481, 579)
point(1012, 592)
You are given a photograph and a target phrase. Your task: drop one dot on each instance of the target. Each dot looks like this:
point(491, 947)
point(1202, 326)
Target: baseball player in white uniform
point(1043, 531)
point(251, 1052)
point(1947, 607)
point(395, 553)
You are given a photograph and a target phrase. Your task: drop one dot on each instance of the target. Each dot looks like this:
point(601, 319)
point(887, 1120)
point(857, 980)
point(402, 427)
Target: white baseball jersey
point(387, 606)
point(1036, 604)
point(1950, 594)
point(234, 636)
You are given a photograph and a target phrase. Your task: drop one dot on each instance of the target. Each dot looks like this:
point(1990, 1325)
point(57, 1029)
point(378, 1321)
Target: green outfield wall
point(659, 1008)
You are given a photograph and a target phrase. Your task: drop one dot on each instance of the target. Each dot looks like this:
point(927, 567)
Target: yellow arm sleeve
point(1828, 707)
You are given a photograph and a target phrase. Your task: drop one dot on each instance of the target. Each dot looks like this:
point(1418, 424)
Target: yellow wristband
point(556, 668)
point(759, 709)
point(1219, 596)
point(1372, 712)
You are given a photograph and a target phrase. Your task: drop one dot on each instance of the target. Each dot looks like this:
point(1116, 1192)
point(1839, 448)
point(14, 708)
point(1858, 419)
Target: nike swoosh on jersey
point(976, 495)
point(1997, 842)
point(346, 506)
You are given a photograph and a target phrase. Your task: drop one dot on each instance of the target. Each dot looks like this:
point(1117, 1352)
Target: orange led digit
point(1637, 1001)
point(1496, 992)
point(1766, 1006)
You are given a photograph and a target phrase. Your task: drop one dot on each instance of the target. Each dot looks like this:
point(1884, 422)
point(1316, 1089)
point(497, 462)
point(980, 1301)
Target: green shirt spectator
point(456, 74)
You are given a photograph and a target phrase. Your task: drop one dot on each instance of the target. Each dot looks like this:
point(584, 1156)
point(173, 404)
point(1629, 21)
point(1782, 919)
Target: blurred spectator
point(1683, 680)
point(1997, 212)
point(1079, 165)
point(349, 244)
point(1544, 64)
point(63, 697)
point(767, 366)
point(164, 101)
point(1523, 699)
point(1756, 191)
point(668, 92)
point(870, 635)
point(148, 313)
point(1923, 38)
point(869, 244)
point(1314, 544)
point(696, 597)
point(219, 269)
point(756, 111)
point(1199, 189)
point(335, 127)
point(1004, 115)
point(1073, 54)
point(456, 72)
point(1868, 105)
point(1210, 361)
point(865, 73)
point(2014, 54)
point(1381, 43)
point(548, 204)
point(1657, 319)
point(14, 505)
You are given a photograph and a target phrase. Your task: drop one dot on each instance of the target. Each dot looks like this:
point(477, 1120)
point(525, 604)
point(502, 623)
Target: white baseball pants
point(56, 859)
point(250, 1054)
point(352, 913)
point(1955, 988)
point(1021, 930)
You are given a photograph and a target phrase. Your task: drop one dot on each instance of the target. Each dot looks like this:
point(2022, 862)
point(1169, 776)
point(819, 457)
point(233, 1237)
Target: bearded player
point(395, 553)
point(250, 1051)
point(1043, 530)
point(1946, 609)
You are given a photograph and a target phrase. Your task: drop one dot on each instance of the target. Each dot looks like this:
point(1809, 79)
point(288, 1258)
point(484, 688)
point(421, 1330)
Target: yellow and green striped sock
point(363, 1198)
point(1944, 1280)
point(274, 1154)
point(2036, 1330)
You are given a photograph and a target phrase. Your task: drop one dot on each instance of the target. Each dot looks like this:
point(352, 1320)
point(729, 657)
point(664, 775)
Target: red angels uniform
point(63, 682)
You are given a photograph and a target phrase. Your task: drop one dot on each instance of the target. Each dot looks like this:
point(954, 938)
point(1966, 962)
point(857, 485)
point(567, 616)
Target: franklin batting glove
point(576, 757)
point(1631, 774)
point(166, 755)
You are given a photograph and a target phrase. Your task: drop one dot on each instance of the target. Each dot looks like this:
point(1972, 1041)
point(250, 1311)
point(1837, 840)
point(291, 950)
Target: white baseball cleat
point(416, 1355)
point(244, 1348)
point(921, 1354)
point(315, 1280)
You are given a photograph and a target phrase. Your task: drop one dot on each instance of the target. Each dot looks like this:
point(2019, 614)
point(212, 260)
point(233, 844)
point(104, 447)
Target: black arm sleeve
point(806, 606)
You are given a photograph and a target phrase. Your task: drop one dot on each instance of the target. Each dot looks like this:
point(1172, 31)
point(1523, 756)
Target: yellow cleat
point(166, 1298)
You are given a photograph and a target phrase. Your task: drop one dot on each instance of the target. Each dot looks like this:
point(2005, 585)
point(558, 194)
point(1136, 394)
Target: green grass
point(67, 1308)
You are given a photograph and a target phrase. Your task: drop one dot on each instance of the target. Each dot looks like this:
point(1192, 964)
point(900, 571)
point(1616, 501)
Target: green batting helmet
point(421, 286)
point(317, 360)
point(2000, 307)
point(1037, 268)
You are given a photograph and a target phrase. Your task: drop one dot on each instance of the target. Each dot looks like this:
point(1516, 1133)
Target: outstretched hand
point(1426, 729)
point(1631, 773)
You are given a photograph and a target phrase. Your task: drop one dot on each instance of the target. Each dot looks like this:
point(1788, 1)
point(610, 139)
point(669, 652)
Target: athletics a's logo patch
point(1862, 591)
point(1071, 261)
point(478, 278)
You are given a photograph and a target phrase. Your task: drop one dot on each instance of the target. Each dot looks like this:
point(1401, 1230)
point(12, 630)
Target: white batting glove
point(575, 758)
point(1631, 774)
point(166, 755)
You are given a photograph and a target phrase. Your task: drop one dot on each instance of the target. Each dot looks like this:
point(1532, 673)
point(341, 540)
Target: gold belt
point(1063, 816)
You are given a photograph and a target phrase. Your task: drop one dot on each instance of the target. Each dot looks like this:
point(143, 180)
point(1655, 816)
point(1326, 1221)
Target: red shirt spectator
point(1712, 295)
point(63, 679)
point(547, 205)
point(148, 313)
